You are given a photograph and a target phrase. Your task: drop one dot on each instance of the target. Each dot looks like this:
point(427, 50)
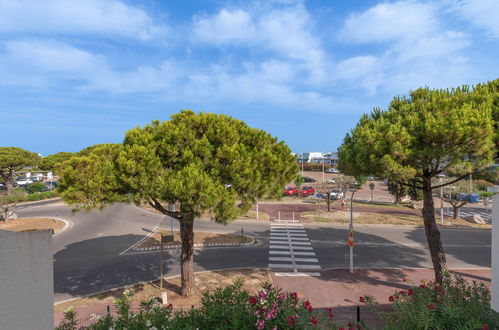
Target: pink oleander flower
point(362, 299)
point(313, 320)
point(391, 298)
point(253, 300)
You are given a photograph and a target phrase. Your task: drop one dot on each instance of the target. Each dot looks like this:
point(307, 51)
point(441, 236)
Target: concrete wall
point(26, 280)
point(495, 251)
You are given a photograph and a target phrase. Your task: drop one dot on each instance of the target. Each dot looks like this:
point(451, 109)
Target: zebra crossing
point(487, 216)
point(290, 250)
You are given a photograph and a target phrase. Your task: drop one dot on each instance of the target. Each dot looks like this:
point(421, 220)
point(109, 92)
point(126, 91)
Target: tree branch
point(450, 182)
point(153, 202)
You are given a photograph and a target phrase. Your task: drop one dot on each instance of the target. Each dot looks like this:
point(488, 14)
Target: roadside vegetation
point(453, 304)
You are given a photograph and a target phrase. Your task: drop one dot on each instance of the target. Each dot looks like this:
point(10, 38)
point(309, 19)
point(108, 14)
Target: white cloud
point(45, 63)
point(104, 17)
point(224, 27)
point(286, 32)
point(418, 49)
point(388, 22)
point(42, 64)
point(482, 13)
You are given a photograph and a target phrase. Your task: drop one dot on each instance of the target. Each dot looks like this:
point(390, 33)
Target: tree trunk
point(432, 233)
point(187, 256)
point(455, 211)
point(397, 200)
point(328, 202)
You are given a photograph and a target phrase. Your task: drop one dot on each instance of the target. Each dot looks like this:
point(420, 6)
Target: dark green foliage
point(51, 162)
point(299, 180)
point(455, 304)
point(35, 187)
point(14, 159)
point(397, 190)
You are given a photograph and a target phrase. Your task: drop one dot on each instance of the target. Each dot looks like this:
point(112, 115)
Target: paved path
point(290, 250)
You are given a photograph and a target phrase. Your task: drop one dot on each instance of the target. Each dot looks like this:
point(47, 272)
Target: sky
point(74, 73)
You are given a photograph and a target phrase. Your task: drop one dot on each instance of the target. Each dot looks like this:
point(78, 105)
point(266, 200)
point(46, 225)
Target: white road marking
point(290, 242)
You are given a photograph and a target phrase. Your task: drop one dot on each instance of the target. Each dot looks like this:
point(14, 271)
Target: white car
point(331, 181)
point(24, 182)
point(336, 194)
point(332, 170)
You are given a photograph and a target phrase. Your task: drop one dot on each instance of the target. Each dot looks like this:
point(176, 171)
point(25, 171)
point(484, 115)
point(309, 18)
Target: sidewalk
point(339, 288)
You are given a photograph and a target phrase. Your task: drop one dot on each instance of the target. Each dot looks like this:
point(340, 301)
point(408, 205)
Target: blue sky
point(79, 72)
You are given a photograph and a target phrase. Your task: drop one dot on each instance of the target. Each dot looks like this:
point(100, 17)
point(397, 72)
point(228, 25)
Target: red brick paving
point(339, 288)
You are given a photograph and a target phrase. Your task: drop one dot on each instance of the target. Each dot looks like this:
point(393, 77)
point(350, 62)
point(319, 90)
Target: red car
point(291, 191)
point(307, 191)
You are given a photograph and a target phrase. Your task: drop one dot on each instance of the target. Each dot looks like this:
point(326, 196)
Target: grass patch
point(29, 224)
point(251, 215)
point(208, 281)
point(199, 237)
point(382, 205)
point(386, 219)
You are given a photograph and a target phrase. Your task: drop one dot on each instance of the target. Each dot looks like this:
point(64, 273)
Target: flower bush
point(456, 304)
point(230, 307)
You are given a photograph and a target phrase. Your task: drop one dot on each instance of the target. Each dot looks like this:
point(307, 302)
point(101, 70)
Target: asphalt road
point(87, 255)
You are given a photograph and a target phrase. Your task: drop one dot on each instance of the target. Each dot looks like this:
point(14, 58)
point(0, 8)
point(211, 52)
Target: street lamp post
point(350, 230)
point(322, 169)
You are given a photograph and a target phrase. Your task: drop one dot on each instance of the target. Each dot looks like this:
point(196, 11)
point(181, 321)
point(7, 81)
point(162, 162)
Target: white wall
point(26, 280)
point(495, 251)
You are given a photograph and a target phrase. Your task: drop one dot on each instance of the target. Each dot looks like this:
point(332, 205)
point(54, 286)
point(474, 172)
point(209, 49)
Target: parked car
point(308, 179)
point(24, 182)
point(336, 194)
point(291, 191)
point(332, 170)
point(331, 181)
point(307, 191)
point(37, 177)
point(51, 185)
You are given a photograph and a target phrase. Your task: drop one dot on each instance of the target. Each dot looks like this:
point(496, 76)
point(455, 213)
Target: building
point(307, 157)
point(330, 158)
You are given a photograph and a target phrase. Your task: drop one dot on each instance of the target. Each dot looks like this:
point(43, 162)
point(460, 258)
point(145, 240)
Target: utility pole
point(322, 168)
point(350, 231)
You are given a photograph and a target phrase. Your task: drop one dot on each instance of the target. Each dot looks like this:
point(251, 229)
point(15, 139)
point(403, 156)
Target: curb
point(197, 245)
point(68, 224)
point(41, 201)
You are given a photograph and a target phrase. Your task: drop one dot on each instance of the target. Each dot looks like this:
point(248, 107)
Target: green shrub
point(35, 188)
point(456, 304)
point(230, 307)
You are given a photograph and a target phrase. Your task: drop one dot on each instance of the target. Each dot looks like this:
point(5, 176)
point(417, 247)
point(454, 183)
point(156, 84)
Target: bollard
point(358, 313)
point(279, 215)
point(293, 215)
